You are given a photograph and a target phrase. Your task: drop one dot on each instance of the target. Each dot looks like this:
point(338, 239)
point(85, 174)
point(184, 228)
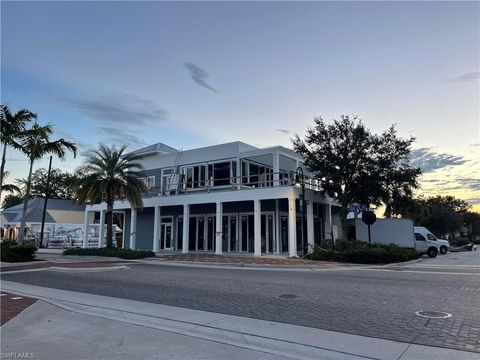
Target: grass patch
point(110, 252)
point(358, 252)
point(13, 252)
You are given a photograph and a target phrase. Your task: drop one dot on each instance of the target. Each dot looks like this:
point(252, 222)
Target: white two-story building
point(227, 198)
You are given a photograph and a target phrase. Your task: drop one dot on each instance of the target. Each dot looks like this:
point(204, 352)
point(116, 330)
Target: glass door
point(166, 237)
point(211, 233)
point(284, 233)
point(244, 232)
point(200, 233)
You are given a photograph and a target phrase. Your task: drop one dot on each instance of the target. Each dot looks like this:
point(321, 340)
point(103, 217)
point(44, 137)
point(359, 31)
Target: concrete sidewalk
point(117, 328)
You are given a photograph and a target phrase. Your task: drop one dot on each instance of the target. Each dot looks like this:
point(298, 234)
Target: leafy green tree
point(109, 174)
point(36, 143)
point(356, 166)
point(11, 128)
point(472, 223)
point(63, 185)
point(442, 215)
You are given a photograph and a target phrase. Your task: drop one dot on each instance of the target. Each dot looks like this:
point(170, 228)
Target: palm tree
point(110, 175)
point(12, 126)
point(35, 143)
point(11, 188)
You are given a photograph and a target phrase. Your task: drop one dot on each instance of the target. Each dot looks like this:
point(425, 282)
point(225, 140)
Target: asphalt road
point(377, 302)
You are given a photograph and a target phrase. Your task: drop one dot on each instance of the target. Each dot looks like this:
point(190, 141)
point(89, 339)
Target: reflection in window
point(420, 237)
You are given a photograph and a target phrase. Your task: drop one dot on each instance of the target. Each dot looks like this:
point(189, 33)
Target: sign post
point(369, 218)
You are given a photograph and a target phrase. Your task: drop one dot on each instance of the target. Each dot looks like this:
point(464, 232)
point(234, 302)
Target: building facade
point(227, 198)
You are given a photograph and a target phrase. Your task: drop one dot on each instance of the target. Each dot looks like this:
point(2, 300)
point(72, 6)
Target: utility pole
point(47, 194)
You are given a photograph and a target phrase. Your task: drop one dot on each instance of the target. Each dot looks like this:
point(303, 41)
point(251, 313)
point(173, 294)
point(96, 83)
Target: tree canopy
point(356, 166)
point(442, 215)
point(63, 185)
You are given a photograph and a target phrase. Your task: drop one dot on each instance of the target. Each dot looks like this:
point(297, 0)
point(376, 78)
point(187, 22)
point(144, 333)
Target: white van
point(422, 233)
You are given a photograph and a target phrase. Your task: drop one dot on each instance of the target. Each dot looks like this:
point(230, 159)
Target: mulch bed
point(11, 307)
point(231, 259)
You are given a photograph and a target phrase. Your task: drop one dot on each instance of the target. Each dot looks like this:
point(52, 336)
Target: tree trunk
point(109, 214)
point(21, 236)
point(343, 221)
point(2, 169)
point(388, 211)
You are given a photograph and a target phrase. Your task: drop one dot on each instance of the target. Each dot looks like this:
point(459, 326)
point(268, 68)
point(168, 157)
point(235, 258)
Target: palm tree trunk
point(109, 214)
point(2, 168)
point(21, 236)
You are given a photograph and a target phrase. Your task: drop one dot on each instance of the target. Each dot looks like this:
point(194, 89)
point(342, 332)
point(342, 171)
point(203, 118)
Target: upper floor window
point(168, 180)
point(194, 176)
point(256, 175)
point(222, 173)
point(149, 181)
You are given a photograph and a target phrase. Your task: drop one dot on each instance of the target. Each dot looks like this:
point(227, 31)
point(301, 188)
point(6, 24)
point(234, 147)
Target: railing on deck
point(179, 185)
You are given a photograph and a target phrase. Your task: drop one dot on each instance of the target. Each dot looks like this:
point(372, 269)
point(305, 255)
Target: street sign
point(369, 218)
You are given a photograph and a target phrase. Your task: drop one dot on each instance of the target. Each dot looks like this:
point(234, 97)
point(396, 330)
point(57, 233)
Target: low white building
point(231, 197)
point(61, 215)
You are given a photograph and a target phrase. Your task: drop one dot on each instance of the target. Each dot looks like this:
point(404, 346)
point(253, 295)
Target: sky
point(193, 74)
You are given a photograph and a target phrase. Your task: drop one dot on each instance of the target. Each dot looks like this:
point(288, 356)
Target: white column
point(239, 173)
point(310, 229)
point(218, 230)
point(257, 232)
point(133, 228)
point(328, 222)
point(276, 169)
point(86, 226)
point(186, 227)
point(292, 226)
point(101, 229)
point(277, 226)
point(156, 229)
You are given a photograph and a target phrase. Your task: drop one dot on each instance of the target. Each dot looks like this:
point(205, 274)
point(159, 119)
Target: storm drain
point(433, 314)
point(287, 296)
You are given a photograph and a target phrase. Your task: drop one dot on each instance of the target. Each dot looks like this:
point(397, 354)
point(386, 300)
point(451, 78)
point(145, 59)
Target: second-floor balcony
point(180, 184)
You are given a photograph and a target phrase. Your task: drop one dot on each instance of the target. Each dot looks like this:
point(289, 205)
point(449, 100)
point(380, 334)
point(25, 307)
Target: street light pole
point(47, 194)
point(301, 182)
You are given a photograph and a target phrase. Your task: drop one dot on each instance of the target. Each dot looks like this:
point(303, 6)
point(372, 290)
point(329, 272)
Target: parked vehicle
point(423, 232)
point(398, 232)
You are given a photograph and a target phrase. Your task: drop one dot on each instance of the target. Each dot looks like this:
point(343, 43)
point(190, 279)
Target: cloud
point(429, 160)
point(80, 144)
point(199, 75)
point(470, 76)
point(285, 131)
point(121, 136)
point(119, 109)
point(469, 182)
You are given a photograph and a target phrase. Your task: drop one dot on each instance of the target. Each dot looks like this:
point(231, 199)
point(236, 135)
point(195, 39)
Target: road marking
point(3, 294)
point(16, 298)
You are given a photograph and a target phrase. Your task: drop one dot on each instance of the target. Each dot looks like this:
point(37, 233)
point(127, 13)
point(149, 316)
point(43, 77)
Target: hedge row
point(364, 255)
point(110, 252)
point(13, 252)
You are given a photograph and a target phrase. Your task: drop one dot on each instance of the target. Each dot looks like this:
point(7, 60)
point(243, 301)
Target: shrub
point(380, 255)
point(110, 252)
point(324, 254)
point(362, 254)
point(13, 252)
